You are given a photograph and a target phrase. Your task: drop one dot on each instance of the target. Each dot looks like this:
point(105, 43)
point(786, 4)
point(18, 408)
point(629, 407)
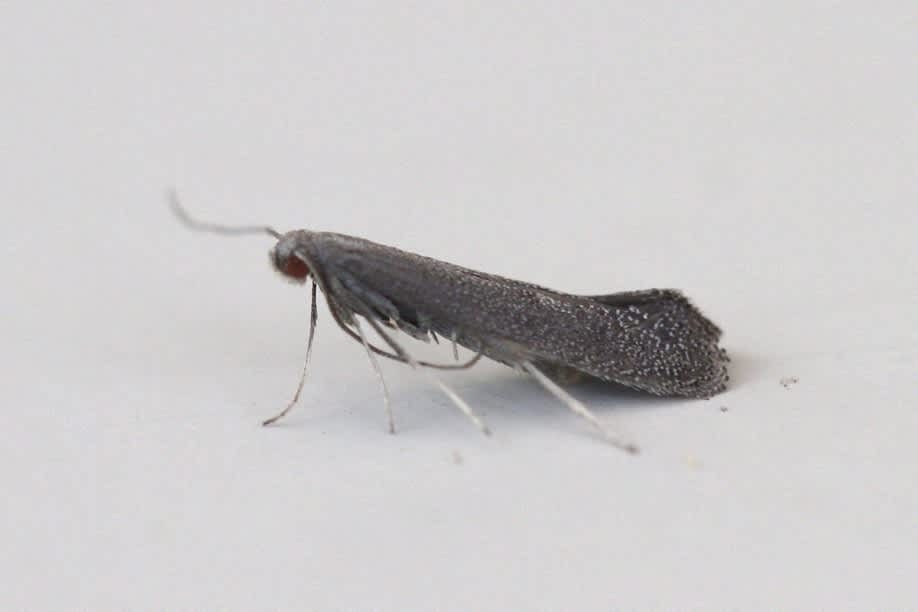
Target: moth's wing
point(658, 301)
point(638, 298)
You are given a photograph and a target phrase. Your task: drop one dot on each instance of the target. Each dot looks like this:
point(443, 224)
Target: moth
point(654, 340)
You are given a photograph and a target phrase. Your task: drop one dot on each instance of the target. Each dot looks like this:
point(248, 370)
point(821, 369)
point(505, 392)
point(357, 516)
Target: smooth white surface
point(761, 157)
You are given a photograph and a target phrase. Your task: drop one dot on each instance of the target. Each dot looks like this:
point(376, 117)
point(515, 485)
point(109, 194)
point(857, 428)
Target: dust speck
point(789, 381)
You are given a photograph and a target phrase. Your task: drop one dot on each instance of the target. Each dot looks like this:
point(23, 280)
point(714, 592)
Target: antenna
point(201, 226)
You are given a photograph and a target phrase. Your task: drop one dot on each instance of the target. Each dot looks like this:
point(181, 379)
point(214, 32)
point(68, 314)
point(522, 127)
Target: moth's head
point(286, 259)
point(286, 256)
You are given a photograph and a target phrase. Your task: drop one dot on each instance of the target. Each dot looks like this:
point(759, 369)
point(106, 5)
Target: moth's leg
point(379, 375)
point(460, 403)
point(439, 366)
point(313, 317)
point(465, 365)
point(460, 366)
point(577, 407)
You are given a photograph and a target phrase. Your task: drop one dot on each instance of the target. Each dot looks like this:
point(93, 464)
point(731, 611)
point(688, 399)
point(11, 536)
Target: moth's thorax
point(285, 259)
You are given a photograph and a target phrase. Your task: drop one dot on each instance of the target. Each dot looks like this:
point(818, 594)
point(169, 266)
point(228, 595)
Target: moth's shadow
point(743, 368)
point(507, 392)
point(499, 391)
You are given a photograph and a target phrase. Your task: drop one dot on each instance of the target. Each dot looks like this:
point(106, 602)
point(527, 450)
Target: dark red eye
point(296, 268)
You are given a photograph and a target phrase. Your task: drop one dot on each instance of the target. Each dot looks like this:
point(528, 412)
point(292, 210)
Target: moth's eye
point(294, 267)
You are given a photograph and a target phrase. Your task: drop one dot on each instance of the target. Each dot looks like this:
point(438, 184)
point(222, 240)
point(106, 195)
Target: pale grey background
point(761, 157)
